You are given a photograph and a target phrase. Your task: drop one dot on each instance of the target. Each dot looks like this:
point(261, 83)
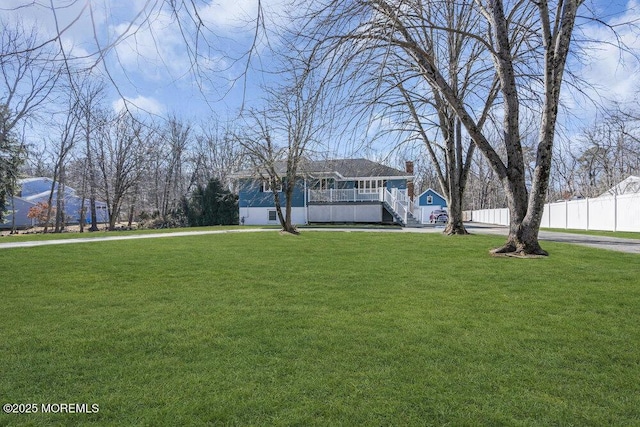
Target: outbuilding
point(427, 202)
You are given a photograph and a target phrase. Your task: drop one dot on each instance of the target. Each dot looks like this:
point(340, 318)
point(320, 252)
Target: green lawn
point(325, 328)
point(621, 234)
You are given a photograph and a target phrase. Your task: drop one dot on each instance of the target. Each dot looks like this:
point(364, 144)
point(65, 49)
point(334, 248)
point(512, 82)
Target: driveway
point(600, 242)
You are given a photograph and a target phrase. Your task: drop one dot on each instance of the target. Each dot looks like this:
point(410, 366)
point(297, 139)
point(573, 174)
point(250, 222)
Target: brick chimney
point(408, 167)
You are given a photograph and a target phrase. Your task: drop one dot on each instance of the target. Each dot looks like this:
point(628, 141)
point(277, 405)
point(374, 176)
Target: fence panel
point(602, 214)
point(558, 215)
point(628, 213)
point(578, 214)
point(615, 213)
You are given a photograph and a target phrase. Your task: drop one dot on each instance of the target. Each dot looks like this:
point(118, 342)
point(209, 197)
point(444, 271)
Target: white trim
point(371, 186)
point(387, 178)
point(266, 186)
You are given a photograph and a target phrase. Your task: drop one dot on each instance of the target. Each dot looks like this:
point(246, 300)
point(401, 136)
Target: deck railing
point(349, 195)
point(398, 201)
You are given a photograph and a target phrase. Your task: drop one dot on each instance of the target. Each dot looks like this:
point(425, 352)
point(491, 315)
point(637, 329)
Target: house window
point(369, 185)
point(266, 186)
point(429, 200)
point(323, 184)
point(273, 216)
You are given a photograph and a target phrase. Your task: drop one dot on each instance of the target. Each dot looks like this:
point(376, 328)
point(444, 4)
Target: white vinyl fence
point(615, 213)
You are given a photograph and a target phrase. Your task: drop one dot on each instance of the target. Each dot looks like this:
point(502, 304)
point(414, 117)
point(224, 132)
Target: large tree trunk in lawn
point(457, 172)
point(455, 225)
point(523, 227)
point(285, 219)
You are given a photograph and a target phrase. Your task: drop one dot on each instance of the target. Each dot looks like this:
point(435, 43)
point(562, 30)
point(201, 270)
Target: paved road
point(600, 242)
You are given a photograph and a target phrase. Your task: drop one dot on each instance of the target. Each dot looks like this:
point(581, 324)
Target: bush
point(211, 205)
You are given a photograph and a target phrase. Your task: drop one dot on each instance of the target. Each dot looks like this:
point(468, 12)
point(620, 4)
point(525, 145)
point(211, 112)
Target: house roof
point(341, 169)
point(354, 168)
point(631, 185)
point(432, 191)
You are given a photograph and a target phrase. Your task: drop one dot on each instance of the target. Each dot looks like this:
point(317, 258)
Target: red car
point(439, 216)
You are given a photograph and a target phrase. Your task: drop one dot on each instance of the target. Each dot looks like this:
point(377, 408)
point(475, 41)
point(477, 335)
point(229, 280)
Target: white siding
point(260, 216)
point(356, 212)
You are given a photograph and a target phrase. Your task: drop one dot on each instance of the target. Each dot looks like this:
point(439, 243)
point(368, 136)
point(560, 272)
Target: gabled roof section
point(431, 190)
point(355, 168)
point(340, 169)
point(631, 185)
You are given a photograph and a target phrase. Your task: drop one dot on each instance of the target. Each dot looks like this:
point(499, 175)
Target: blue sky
point(149, 63)
point(152, 69)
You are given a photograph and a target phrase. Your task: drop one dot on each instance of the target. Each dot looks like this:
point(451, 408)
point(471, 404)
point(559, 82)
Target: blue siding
point(251, 195)
point(436, 199)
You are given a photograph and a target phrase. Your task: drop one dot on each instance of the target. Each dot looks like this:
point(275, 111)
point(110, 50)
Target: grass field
point(324, 328)
point(621, 234)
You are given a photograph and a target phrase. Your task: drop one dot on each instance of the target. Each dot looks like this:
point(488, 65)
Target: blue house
point(427, 202)
point(35, 190)
point(331, 191)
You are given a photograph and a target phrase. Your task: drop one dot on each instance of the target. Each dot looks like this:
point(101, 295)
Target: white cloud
point(227, 15)
point(152, 48)
point(612, 68)
point(140, 102)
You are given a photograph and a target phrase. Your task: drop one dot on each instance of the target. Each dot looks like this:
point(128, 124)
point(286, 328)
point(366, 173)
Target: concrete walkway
point(600, 242)
point(126, 237)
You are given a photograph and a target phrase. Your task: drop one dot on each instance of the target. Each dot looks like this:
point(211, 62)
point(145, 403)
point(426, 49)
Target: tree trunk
point(455, 225)
point(284, 218)
point(456, 173)
point(92, 187)
point(523, 229)
point(14, 230)
point(131, 212)
point(59, 225)
point(50, 199)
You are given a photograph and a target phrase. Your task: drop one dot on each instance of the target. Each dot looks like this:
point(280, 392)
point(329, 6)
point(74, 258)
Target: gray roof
point(353, 168)
point(631, 185)
point(341, 169)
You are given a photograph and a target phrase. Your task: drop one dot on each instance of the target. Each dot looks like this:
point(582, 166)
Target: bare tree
point(170, 149)
point(420, 111)
point(28, 77)
point(610, 152)
point(528, 44)
point(215, 155)
point(120, 154)
point(281, 136)
point(62, 146)
point(11, 157)
point(29, 72)
point(90, 93)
